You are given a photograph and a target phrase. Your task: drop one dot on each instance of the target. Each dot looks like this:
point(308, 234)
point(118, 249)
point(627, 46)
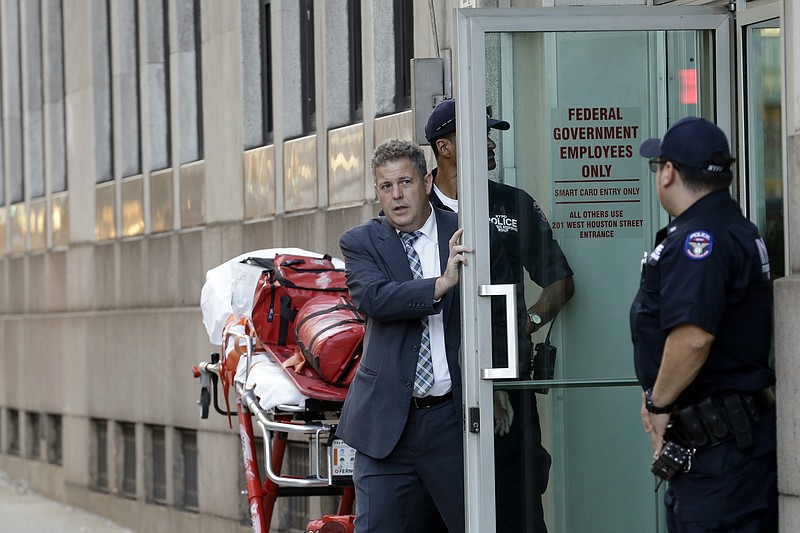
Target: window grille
point(13, 432)
point(54, 439)
point(186, 464)
point(99, 468)
point(127, 433)
point(156, 465)
point(33, 436)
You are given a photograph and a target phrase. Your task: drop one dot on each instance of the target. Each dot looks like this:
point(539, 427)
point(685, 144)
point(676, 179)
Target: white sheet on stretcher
point(272, 385)
point(217, 292)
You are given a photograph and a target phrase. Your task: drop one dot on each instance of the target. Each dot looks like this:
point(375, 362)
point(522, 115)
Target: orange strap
point(296, 361)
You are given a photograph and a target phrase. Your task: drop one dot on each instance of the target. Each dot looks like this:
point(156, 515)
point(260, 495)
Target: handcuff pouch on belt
point(715, 420)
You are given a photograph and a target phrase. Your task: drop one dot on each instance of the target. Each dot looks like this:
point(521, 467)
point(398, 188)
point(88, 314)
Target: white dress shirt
point(427, 247)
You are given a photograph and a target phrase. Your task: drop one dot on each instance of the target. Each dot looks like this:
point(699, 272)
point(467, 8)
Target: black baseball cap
point(692, 142)
point(442, 121)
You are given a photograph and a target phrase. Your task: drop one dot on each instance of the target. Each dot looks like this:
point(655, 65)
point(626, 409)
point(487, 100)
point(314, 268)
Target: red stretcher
point(313, 418)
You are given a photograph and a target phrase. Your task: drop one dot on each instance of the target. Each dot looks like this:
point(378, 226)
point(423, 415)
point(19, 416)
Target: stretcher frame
point(312, 420)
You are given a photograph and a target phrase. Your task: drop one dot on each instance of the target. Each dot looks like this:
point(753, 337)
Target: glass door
point(574, 209)
point(761, 138)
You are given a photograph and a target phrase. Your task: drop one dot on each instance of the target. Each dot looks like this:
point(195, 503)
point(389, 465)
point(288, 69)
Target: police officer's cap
point(693, 142)
point(442, 121)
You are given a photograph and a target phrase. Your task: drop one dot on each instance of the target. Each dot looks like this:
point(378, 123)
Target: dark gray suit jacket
point(381, 285)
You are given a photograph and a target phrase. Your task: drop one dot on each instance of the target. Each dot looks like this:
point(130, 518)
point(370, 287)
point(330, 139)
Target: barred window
point(186, 468)
point(33, 436)
point(156, 479)
point(126, 451)
point(99, 464)
point(13, 432)
point(54, 439)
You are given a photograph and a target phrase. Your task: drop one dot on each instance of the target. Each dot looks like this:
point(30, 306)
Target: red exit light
point(688, 78)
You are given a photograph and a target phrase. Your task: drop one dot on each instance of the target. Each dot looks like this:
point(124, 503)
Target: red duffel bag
point(287, 282)
point(330, 331)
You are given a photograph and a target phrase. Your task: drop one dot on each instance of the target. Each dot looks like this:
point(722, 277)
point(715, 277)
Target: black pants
point(522, 468)
point(728, 490)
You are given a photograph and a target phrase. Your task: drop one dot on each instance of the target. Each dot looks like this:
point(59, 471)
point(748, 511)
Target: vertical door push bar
point(510, 292)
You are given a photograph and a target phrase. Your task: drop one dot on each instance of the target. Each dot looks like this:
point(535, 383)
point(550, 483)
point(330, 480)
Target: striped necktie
point(424, 379)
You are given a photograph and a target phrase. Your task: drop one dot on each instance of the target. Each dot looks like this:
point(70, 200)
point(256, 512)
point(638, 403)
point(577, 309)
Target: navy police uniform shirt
point(527, 236)
point(709, 268)
point(525, 233)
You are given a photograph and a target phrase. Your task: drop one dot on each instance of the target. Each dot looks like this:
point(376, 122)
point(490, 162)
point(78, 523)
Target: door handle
point(510, 292)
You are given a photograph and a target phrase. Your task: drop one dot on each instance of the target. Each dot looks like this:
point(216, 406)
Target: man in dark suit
point(403, 410)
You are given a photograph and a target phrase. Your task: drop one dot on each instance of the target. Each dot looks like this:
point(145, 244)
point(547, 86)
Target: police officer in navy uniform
point(523, 227)
point(701, 326)
point(521, 463)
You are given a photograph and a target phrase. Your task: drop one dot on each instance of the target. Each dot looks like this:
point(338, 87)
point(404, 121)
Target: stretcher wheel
point(205, 402)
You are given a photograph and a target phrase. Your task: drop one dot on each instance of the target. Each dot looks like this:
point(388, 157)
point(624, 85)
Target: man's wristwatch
point(536, 320)
point(651, 407)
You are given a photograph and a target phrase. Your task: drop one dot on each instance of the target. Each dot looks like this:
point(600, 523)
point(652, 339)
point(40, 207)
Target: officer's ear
point(444, 146)
point(668, 174)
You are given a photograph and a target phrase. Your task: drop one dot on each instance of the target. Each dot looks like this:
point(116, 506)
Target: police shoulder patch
point(699, 245)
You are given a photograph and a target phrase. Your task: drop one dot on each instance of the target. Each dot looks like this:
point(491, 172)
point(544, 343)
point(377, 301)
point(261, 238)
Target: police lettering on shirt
point(656, 254)
point(762, 253)
point(504, 223)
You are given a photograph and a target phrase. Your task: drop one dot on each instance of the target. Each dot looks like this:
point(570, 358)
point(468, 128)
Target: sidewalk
point(24, 511)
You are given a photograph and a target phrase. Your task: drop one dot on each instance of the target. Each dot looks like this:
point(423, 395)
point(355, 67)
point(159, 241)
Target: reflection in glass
point(104, 219)
point(764, 165)
point(346, 164)
point(193, 194)
point(161, 201)
point(132, 206)
point(37, 223)
point(59, 213)
point(259, 182)
point(3, 218)
point(18, 217)
point(300, 173)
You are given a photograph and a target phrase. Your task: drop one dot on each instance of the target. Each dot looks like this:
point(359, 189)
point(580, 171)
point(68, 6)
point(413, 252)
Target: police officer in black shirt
point(701, 325)
point(521, 462)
